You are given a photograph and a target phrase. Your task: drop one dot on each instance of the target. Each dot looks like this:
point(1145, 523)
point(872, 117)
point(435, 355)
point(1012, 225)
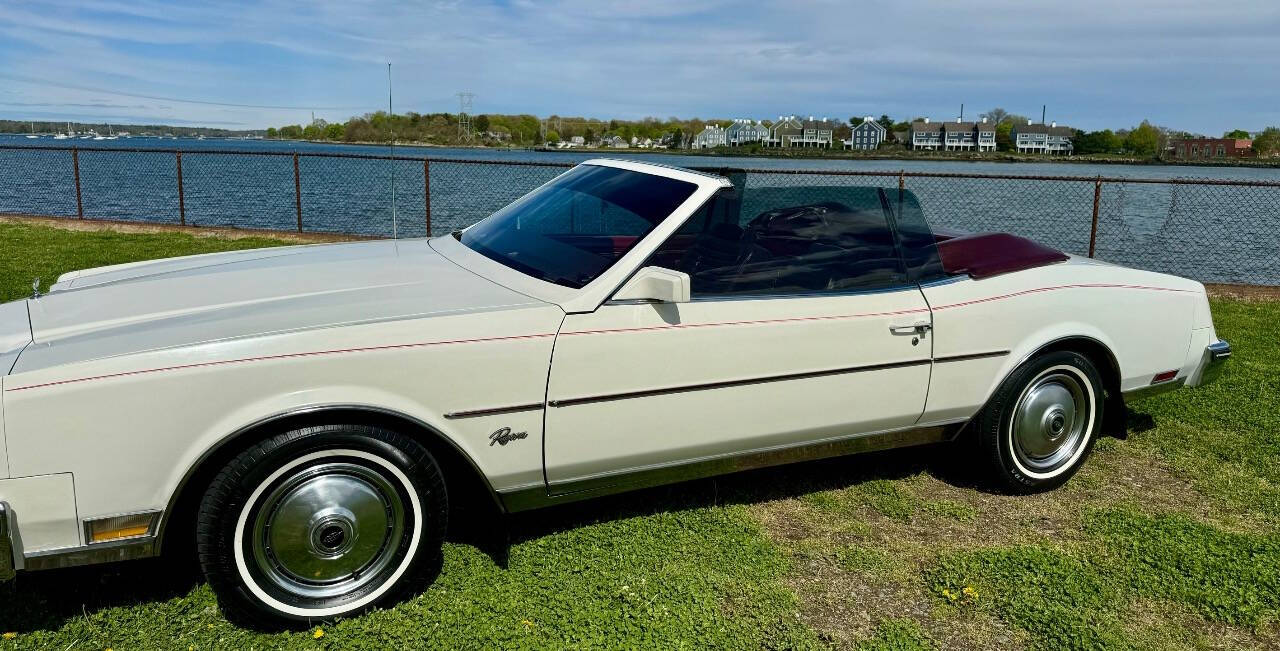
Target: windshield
point(573, 229)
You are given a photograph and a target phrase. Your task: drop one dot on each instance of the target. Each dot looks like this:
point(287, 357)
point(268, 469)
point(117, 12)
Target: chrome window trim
point(945, 281)
point(807, 294)
point(843, 293)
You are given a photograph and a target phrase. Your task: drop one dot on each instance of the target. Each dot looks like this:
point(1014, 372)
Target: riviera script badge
point(505, 436)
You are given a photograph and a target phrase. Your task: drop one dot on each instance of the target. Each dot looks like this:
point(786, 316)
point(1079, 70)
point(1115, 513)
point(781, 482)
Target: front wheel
point(322, 522)
point(1042, 421)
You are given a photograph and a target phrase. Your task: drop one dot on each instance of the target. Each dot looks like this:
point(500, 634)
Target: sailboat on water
point(33, 131)
point(63, 136)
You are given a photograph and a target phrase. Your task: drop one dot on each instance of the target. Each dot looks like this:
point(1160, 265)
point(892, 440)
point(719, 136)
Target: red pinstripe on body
point(1050, 289)
point(594, 332)
point(263, 358)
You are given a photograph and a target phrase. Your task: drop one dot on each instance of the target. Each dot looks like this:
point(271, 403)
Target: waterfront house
point(1201, 148)
point(746, 132)
point(1042, 139)
point(712, 135)
point(867, 135)
point(792, 132)
point(577, 141)
point(817, 133)
point(785, 125)
point(986, 133)
point(959, 136)
point(615, 142)
point(926, 135)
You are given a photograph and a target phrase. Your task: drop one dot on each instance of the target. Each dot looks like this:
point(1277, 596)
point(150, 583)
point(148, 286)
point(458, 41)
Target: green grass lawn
point(1167, 539)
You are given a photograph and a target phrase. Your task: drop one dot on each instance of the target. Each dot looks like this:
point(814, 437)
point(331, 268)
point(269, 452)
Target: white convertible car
point(305, 415)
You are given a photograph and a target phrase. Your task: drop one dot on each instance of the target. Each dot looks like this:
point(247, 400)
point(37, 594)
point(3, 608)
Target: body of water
point(1212, 233)
point(1047, 168)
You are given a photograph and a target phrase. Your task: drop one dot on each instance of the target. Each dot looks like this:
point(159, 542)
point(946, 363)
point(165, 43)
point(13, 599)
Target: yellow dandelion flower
point(10, 635)
point(318, 634)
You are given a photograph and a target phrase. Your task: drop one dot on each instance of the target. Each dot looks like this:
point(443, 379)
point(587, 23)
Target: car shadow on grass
point(46, 600)
point(743, 488)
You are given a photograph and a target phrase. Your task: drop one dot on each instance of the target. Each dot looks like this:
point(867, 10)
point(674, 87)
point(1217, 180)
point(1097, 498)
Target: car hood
point(136, 307)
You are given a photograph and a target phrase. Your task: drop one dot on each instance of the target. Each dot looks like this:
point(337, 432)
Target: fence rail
point(1214, 230)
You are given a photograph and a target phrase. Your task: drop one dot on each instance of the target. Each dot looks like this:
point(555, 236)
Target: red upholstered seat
point(982, 255)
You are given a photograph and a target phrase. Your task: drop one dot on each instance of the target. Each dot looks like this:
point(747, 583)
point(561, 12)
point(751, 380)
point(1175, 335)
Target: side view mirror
point(654, 285)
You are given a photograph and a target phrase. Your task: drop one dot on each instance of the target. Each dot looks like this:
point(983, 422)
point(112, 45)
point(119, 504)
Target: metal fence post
point(297, 190)
point(75, 163)
point(182, 201)
point(426, 193)
point(902, 180)
point(1093, 228)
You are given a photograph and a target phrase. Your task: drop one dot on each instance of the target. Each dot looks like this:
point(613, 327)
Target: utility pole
point(464, 116)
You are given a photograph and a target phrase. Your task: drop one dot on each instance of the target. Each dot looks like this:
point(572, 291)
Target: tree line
point(1146, 140)
point(488, 129)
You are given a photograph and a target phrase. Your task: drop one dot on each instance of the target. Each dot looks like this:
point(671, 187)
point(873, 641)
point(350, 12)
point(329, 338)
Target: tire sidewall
point(230, 507)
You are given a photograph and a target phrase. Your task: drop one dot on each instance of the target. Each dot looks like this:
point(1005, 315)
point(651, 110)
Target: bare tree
point(996, 115)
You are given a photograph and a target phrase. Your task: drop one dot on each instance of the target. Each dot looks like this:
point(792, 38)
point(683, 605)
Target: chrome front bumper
point(1216, 356)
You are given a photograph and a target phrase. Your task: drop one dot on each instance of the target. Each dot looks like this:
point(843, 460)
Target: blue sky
point(1203, 67)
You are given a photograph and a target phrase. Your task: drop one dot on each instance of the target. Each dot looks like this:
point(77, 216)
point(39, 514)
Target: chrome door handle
point(913, 329)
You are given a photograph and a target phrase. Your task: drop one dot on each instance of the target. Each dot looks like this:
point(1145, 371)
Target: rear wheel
point(1042, 421)
point(322, 522)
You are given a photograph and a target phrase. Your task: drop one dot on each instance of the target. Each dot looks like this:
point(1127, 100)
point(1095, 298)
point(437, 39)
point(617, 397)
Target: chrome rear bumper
point(1216, 356)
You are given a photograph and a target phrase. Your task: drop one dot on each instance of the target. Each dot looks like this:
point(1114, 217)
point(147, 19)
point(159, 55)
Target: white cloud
point(1096, 63)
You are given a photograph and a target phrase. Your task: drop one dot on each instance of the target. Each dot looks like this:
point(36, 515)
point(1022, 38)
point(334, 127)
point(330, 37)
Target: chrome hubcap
point(1050, 420)
point(328, 530)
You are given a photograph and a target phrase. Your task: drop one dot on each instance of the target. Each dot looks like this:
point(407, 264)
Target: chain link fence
point(1211, 230)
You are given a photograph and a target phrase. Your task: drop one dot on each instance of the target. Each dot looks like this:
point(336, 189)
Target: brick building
point(1201, 148)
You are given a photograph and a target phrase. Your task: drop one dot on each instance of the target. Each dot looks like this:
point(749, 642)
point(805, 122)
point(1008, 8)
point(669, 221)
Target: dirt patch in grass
point(861, 548)
point(118, 226)
point(1244, 292)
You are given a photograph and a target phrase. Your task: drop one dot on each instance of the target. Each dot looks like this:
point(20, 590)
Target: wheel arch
point(1102, 357)
point(459, 469)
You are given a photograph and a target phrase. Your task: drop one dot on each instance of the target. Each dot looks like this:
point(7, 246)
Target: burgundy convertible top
point(982, 255)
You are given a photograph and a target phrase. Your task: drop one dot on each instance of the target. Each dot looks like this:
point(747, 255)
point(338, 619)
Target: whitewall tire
point(1041, 423)
point(322, 522)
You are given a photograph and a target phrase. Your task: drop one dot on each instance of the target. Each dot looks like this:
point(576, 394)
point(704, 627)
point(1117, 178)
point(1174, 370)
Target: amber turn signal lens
point(119, 527)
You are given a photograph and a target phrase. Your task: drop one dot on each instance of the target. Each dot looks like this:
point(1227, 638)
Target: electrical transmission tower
point(464, 116)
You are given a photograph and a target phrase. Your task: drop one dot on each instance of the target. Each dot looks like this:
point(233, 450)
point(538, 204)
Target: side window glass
point(919, 246)
point(787, 240)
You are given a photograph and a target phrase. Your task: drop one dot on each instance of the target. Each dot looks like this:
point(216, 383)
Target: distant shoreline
point(798, 154)
point(844, 154)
